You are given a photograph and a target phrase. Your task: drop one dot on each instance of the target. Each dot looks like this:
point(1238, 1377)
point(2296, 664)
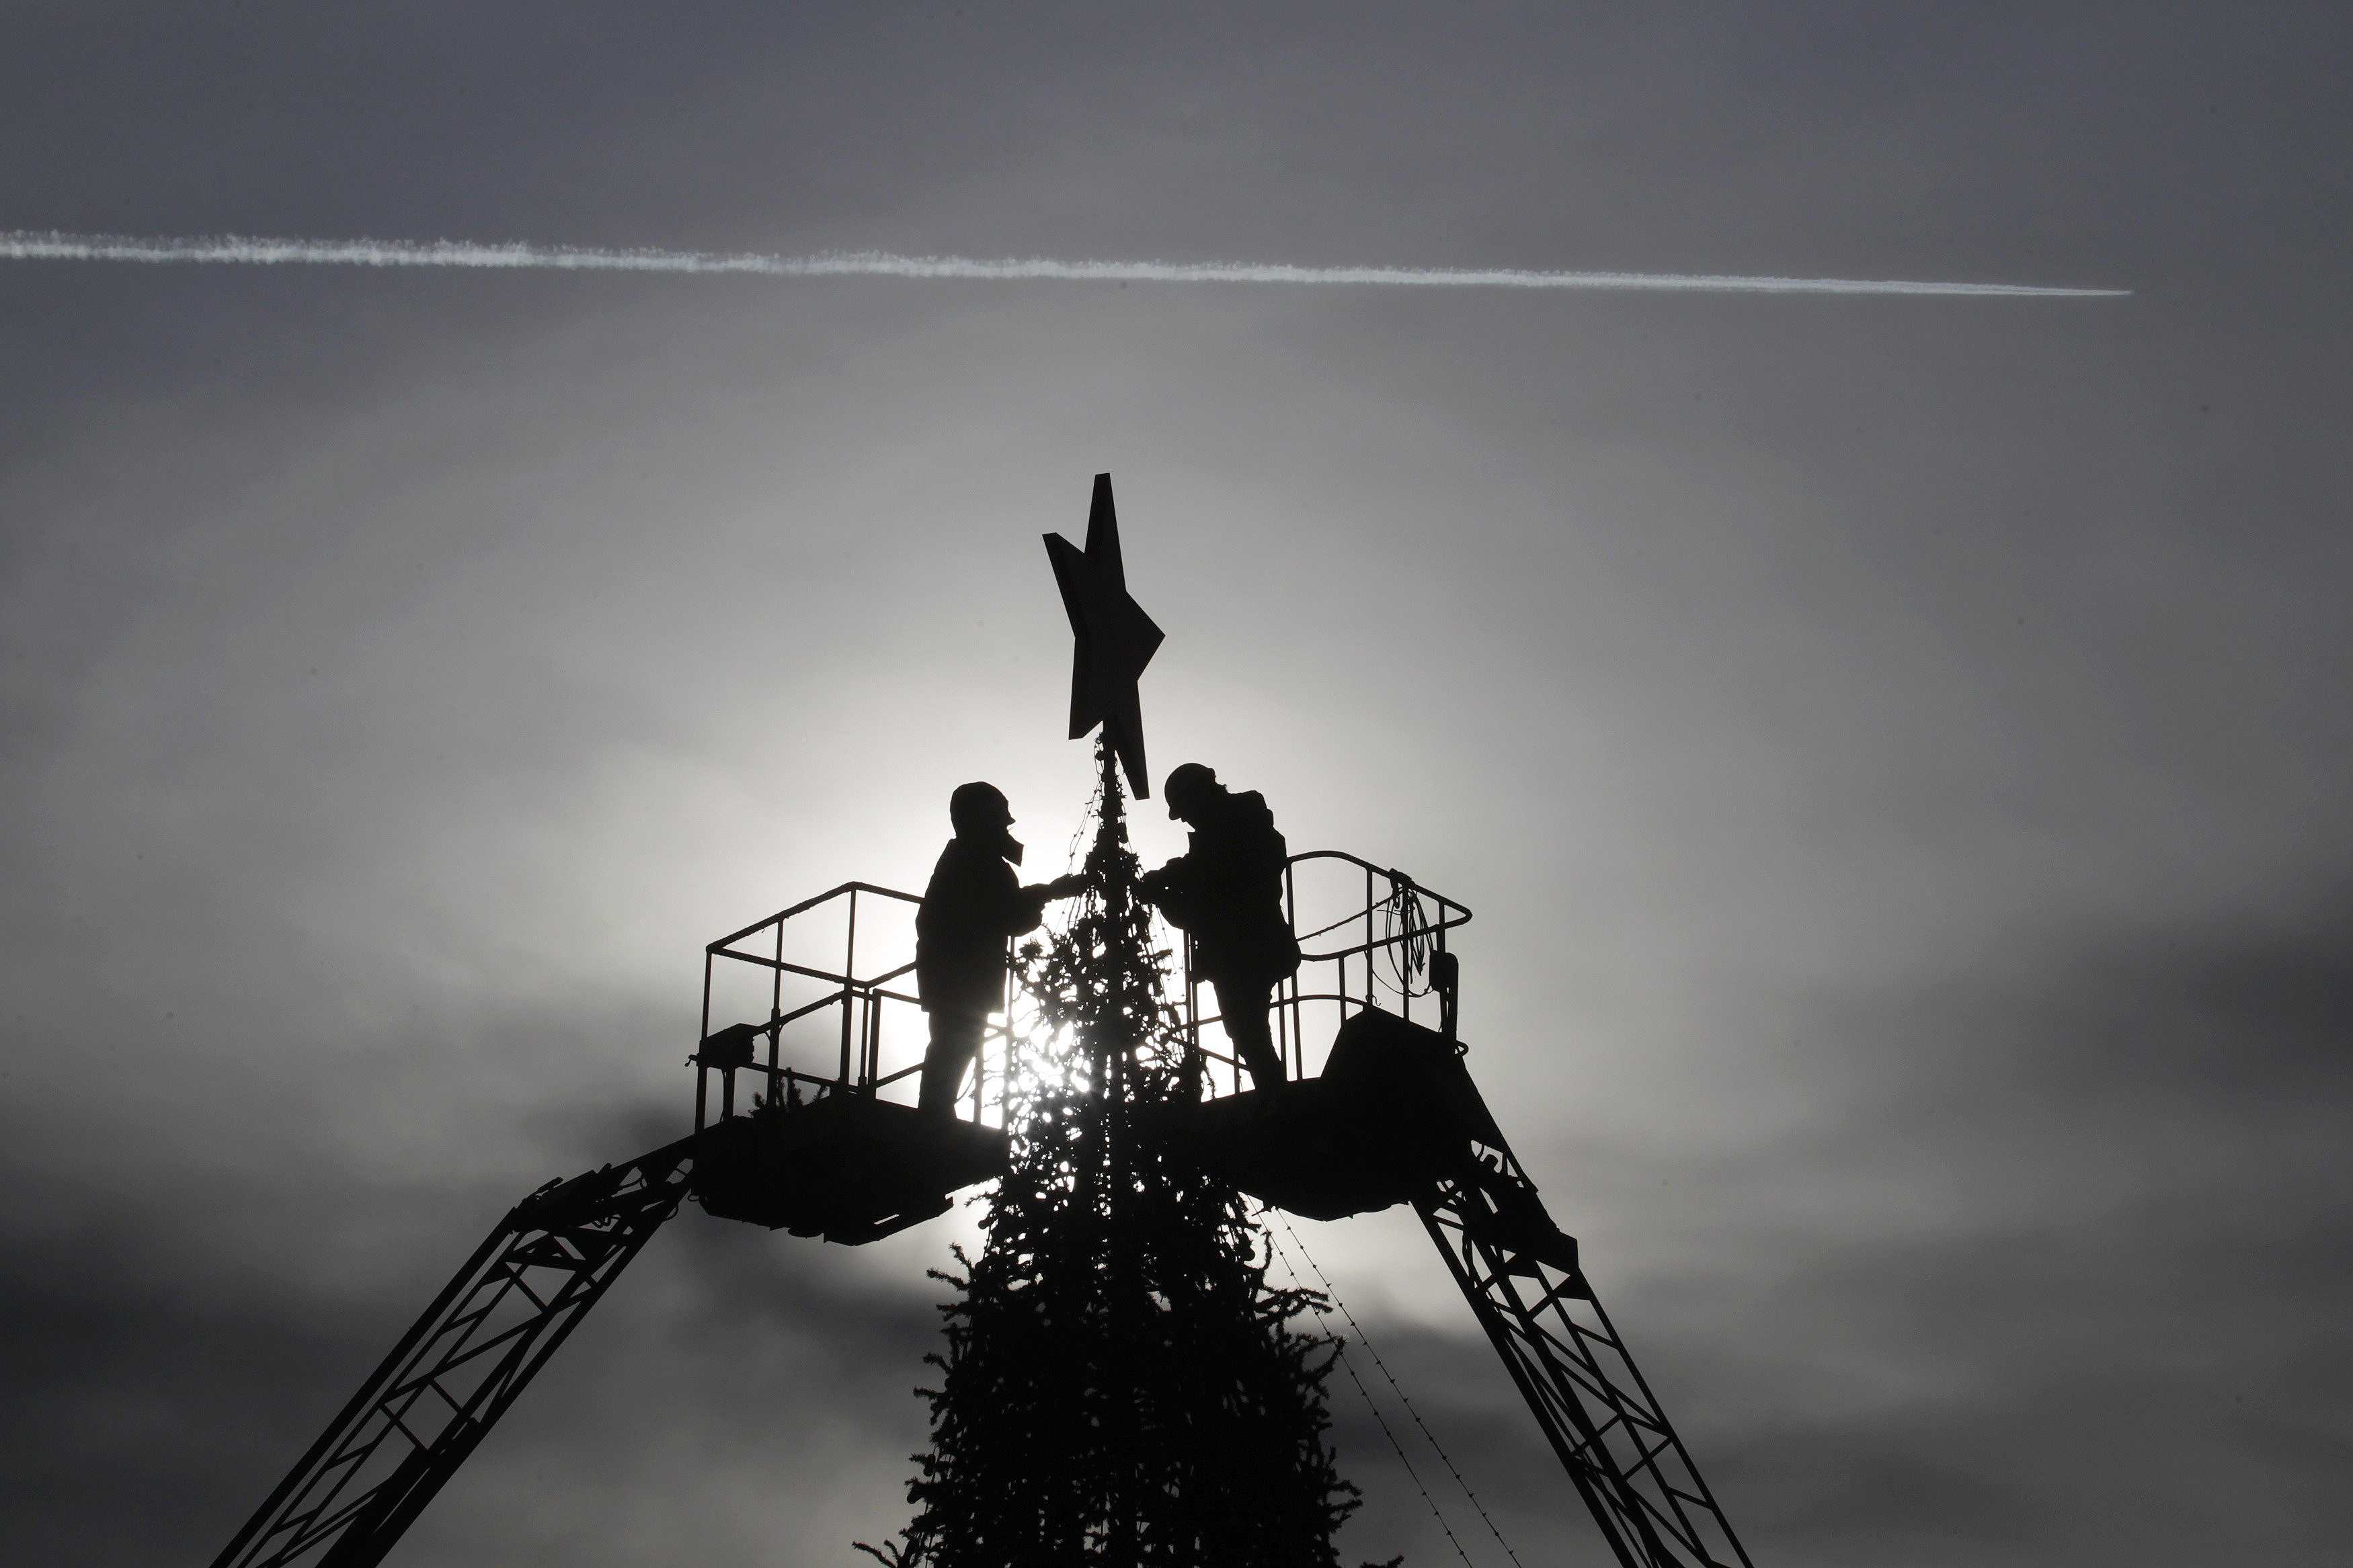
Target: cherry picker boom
point(1392, 1117)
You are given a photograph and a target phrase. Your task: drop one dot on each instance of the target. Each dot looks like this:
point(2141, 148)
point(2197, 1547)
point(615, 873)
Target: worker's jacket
point(974, 902)
point(1227, 890)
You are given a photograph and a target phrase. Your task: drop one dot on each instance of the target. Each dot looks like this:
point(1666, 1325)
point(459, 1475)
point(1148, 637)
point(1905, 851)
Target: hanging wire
point(1351, 917)
point(1365, 1394)
point(1405, 936)
point(1085, 831)
point(1443, 1457)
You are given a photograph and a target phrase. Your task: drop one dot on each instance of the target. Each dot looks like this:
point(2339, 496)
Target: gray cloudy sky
point(1896, 748)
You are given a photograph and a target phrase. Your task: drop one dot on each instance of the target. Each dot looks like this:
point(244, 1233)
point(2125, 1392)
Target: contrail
point(22, 245)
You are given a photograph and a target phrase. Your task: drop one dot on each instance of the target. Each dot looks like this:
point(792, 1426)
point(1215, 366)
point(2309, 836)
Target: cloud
point(726, 1357)
point(2089, 1302)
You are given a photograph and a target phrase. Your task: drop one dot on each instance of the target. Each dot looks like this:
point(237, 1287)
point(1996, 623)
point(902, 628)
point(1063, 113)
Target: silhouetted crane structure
point(812, 1006)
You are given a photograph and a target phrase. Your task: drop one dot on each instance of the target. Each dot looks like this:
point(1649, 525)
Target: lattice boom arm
point(1520, 1276)
point(458, 1369)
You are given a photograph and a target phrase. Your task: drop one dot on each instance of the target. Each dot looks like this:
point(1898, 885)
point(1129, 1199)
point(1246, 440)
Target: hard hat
point(1184, 781)
point(978, 806)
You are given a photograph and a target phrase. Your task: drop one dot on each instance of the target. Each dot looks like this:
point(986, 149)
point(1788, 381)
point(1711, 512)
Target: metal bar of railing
point(872, 1008)
point(849, 966)
point(1383, 870)
point(776, 1009)
point(1434, 915)
point(808, 904)
point(833, 999)
point(762, 961)
point(1372, 946)
point(703, 1069)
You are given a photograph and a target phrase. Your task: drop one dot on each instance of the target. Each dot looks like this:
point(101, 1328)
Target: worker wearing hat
point(1227, 891)
point(973, 904)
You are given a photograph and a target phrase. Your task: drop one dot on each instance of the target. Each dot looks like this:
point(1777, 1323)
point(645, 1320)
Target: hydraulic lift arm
point(846, 1166)
point(1521, 1277)
point(1395, 1118)
point(417, 1417)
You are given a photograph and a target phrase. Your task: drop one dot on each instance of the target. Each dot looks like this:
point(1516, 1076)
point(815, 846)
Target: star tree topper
point(1116, 638)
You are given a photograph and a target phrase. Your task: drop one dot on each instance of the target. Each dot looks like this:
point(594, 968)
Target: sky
point(1894, 748)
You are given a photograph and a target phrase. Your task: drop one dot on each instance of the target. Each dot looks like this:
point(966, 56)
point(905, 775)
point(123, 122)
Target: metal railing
point(774, 1004)
point(821, 997)
point(1378, 940)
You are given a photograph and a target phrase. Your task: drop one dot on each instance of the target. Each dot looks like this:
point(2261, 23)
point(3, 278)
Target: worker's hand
point(1069, 887)
point(1153, 886)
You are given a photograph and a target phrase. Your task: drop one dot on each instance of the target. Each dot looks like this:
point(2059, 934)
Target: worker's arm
point(1025, 908)
point(1167, 889)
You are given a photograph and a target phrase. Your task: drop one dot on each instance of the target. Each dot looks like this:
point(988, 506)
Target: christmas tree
point(1119, 1383)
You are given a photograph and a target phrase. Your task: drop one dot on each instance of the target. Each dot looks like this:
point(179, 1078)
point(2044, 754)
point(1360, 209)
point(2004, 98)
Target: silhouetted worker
point(974, 902)
point(1227, 890)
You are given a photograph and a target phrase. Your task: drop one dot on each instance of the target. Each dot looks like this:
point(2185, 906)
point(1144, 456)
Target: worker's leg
point(1243, 1006)
point(955, 1040)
